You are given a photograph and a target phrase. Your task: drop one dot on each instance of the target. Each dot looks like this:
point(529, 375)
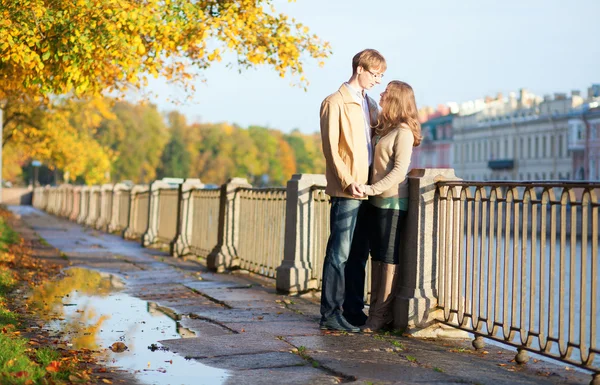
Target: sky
point(448, 51)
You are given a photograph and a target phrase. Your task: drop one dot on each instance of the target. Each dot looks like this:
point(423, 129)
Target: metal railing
point(518, 263)
point(261, 229)
point(205, 220)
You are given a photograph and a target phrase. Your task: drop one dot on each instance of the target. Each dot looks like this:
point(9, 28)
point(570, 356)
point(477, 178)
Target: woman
point(396, 133)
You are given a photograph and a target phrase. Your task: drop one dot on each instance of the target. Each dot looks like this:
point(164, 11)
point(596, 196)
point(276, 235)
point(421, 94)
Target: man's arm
point(330, 137)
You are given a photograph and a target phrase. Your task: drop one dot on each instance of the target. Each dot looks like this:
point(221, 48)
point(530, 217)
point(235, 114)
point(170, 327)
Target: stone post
point(131, 232)
point(416, 296)
point(94, 205)
point(84, 204)
point(76, 203)
point(116, 209)
point(185, 208)
point(106, 203)
point(224, 255)
point(68, 203)
point(294, 273)
point(151, 233)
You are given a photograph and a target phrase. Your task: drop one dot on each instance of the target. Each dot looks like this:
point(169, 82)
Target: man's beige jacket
point(344, 141)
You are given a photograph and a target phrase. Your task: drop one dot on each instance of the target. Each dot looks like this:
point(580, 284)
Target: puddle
point(87, 310)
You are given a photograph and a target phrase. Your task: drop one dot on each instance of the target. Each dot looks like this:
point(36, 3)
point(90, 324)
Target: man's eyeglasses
point(376, 76)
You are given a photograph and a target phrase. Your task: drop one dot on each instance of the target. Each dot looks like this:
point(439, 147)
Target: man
point(346, 120)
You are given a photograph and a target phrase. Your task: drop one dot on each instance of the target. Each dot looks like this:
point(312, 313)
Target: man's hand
point(356, 190)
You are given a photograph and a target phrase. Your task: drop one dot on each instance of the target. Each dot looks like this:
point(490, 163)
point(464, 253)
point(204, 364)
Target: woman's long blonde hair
point(397, 107)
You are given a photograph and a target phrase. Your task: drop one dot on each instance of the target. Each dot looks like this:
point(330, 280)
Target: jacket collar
point(346, 95)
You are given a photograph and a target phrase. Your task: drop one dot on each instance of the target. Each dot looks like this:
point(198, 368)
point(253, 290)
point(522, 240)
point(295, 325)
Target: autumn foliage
point(90, 46)
point(58, 57)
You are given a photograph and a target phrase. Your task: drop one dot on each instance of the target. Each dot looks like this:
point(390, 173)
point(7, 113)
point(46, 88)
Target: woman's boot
point(376, 269)
point(386, 292)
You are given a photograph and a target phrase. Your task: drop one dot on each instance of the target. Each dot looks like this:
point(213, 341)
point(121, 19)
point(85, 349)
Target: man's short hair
point(368, 59)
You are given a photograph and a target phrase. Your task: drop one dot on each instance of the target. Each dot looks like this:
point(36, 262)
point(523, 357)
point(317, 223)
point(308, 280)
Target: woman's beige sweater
point(391, 159)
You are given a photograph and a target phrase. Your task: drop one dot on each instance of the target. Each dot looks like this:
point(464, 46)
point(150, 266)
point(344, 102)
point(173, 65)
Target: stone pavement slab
point(293, 375)
point(227, 345)
point(255, 361)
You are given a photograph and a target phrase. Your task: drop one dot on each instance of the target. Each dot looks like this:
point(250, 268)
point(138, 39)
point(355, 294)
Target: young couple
point(367, 153)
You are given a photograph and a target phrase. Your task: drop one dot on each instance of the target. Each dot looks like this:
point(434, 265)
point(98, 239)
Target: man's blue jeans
point(345, 258)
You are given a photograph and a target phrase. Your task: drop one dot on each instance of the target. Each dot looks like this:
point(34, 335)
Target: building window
point(486, 150)
point(543, 146)
point(505, 148)
point(552, 149)
point(529, 152)
point(537, 149)
point(560, 147)
point(521, 148)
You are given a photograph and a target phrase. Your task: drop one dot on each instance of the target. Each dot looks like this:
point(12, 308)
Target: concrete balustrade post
point(131, 231)
point(151, 234)
point(68, 201)
point(224, 255)
point(118, 207)
point(84, 204)
point(106, 202)
point(76, 203)
point(416, 296)
point(51, 200)
point(46, 198)
point(60, 199)
point(294, 273)
point(94, 206)
point(185, 208)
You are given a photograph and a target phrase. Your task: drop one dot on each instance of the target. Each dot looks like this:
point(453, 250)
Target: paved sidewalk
point(260, 337)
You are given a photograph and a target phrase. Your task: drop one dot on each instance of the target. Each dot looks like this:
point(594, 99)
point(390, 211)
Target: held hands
point(357, 190)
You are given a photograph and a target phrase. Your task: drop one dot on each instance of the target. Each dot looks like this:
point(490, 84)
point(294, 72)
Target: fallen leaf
point(106, 381)
point(53, 367)
point(118, 347)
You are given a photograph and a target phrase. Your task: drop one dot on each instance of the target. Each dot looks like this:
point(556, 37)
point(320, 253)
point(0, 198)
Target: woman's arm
point(403, 146)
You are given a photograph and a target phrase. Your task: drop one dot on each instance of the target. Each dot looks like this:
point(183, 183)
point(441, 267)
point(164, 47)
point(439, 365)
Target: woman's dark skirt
point(385, 227)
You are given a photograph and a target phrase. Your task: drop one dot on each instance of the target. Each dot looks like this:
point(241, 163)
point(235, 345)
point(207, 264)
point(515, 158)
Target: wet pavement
point(182, 324)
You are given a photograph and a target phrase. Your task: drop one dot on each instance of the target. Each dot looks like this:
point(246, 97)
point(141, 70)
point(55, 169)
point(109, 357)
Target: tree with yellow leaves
point(87, 47)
